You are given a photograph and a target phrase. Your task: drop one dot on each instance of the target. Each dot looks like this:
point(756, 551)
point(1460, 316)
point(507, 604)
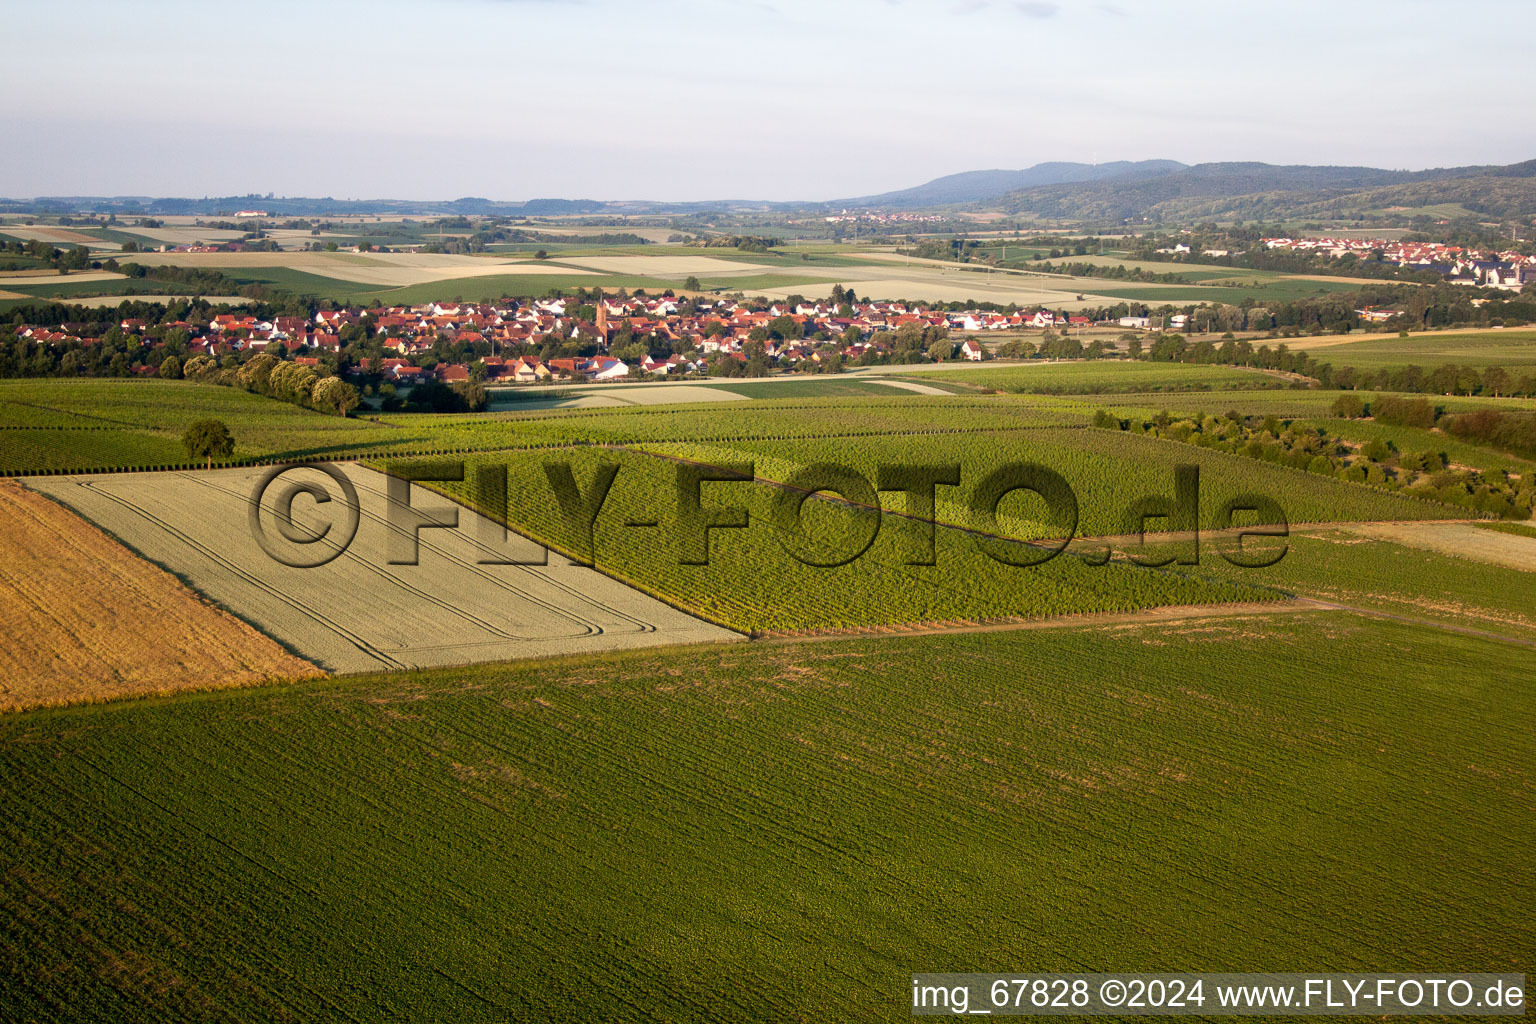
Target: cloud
point(969, 6)
point(1037, 8)
point(1111, 10)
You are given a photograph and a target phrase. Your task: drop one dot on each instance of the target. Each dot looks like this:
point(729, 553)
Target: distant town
point(1509, 270)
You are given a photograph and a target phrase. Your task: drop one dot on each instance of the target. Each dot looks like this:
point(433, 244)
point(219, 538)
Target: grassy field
point(774, 833)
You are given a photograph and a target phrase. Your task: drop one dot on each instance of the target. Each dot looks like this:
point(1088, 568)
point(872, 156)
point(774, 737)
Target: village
point(627, 336)
point(1507, 271)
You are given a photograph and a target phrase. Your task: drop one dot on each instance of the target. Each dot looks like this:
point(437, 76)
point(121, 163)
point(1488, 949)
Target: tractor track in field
point(1165, 615)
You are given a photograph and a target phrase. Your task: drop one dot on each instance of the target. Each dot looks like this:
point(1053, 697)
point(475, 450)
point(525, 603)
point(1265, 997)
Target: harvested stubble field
point(1458, 540)
point(359, 613)
point(32, 281)
point(87, 620)
point(44, 233)
point(96, 301)
point(666, 266)
point(381, 270)
point(774, 832)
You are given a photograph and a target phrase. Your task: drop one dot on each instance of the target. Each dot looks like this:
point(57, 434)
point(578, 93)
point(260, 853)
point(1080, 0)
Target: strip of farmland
point(359, 612)
point(85, 620)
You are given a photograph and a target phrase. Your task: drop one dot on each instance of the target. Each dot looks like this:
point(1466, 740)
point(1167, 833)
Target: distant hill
point(298, 206)
point(1156, 191)
point(1267, 191)
point(978, 186)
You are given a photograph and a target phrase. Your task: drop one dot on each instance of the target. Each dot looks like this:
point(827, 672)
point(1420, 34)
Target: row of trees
point(265, 374)
point(1377, 463)
point(1506, 430)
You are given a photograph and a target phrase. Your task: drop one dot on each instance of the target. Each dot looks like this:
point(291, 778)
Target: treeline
point(265, 374)
point(1448, 379)
point(197, 280)
point(1301, 445)
point(1512, 431)
point(1113, 271)
point(35, 253)
point(746, 243)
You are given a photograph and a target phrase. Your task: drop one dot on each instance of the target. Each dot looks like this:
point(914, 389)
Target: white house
point(607, 368)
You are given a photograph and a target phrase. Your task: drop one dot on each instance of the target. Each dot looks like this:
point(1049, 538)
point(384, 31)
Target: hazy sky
point(711, 99)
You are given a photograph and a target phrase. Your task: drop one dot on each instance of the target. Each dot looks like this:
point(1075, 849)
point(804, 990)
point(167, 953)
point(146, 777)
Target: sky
point(732, 99)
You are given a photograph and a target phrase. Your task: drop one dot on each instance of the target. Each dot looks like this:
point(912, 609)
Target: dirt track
point(1459, 540)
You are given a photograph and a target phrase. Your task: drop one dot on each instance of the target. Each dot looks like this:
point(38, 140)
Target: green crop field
point(1285, 289)
point(957, 607)
point(1338, 566)
point(773, 833)
point(809, 387)
point(754, 580)
point(1202, 772)
point(90, 424)
point(1511, 349)
point(1290, 402)
point(1107, 376)
point(1104, 468)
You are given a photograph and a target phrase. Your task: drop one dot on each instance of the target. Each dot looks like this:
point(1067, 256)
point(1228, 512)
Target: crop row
point(752, 581)
point(607, 838)
point(1107, 471)
point(1110, 376)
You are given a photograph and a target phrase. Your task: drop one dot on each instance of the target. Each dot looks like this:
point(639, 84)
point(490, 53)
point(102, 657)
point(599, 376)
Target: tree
point(198, 366)
point(1496, 379)
point(170, 368)
point(292, 382)
point(1349, 407)
point(335, 395)
point(205, 439)
point(257, 370)
point(472, 395)
point(692, 284)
